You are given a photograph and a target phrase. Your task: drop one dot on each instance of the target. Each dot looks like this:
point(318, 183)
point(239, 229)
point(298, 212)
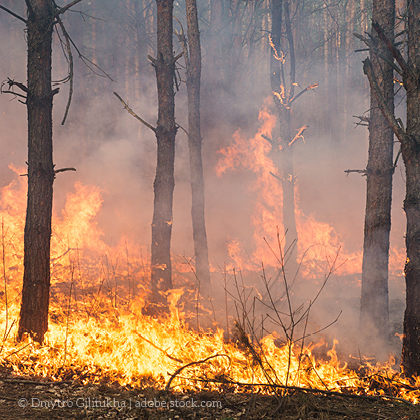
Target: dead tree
point(283, 93)
point(374, 308)
point(38, 95)
point(409, 138)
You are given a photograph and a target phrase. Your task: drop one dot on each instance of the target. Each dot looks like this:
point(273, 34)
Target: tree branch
point(13, 14)
point(310, 87)
point(357, 171)
point(389, 116)
point(130, 111)
point(394, 51)
point(372, 47)
point(65, 8)
point(71, 74)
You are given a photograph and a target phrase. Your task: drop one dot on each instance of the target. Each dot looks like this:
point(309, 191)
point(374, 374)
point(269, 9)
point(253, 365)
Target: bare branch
point(299, 135)
point(372, 47)
point(71, 74)
point(389, 116)
point(394, 51)
point(130, 111)
point(64, 170)
point(178, 371)
point(65, 8)
point(310, 87)
point(13, 14)
point(357, 171)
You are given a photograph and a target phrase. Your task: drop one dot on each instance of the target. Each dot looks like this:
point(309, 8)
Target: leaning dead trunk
point(193, 62)
point(374, 309)
point(36, 278)
point(161, 270)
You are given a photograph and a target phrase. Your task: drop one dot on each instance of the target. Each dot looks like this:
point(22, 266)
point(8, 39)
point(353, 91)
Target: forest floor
point(31, 398)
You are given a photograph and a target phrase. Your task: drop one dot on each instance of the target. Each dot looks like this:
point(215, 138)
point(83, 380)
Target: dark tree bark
point(36, 278)
point(374, 309)
point(282, 97)
point(161, 276)
point(193, 64)
point(410, 149)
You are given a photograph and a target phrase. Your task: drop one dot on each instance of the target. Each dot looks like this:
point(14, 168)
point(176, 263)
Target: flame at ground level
point(131, 349)
point(97, 331)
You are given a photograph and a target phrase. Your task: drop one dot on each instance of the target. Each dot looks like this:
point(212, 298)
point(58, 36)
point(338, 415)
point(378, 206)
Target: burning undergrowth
point(98, 334)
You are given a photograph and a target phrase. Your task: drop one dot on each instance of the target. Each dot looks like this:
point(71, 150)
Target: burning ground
point(101, 353)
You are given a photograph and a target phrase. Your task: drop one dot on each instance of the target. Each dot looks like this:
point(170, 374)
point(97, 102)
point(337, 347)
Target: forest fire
point(274, 307)
point(97, 331)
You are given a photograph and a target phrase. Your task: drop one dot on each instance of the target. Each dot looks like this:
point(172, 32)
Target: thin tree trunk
point(194, 143)
point(36, 277)
point(161, 270)
point(281, 97)
point(374, 309)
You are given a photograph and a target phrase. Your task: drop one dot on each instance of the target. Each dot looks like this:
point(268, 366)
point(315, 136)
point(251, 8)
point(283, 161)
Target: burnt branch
point(271, 141)
point(199, 362)
point(63, 9)
point(299, 135)
point(389, 116)
point(392, 48)
point(13, 14)
point(158, 348)
point(130, 111)
point(373, 48)
point(356, 171)
point(64, 170)
point(362, 119)
point(310, 87)
point(70, 77)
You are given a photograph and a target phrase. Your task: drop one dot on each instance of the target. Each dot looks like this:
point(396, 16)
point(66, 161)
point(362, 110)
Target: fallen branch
point(158, 348)
point(199, 362)
point(310, 390)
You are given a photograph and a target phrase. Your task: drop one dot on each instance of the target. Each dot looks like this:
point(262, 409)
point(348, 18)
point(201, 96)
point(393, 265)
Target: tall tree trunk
point(410, 148)
point(411, 155)
point(161, 270)
point(194, 143)
point(374, 309)
point(282, 95)
point(36, 277)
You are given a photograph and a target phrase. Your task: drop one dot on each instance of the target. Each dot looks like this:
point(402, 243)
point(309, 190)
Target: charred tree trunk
point(36, 278)
point(374, 309)
point(193, 64)
point(282, 96)
point(161, 270)
point(411, 155)
point(410, 148)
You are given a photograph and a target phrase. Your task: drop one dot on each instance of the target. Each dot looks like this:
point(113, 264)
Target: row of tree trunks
point(374, 310)
point(410, 148)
